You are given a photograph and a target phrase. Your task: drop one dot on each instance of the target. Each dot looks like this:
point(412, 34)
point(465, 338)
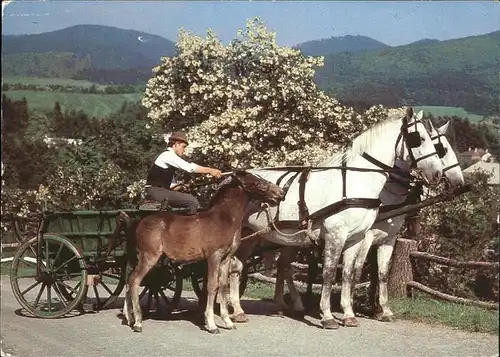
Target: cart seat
point(152, 205)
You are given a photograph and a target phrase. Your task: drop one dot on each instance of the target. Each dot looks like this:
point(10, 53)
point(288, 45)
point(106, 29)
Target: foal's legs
point(332, 251)
point(214, 263)
point(224, 292)
point(145, 263)
point(235, 269)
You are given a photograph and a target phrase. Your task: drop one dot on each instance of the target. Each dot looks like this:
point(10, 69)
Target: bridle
point(442, 151)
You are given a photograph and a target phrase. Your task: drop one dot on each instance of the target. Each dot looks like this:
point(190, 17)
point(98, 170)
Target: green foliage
point(441, 111)
point(49, 64)
point(335, 45)
point(460, 229)
point(102, 46)
point(420, 74)
point(95, 105)
point(231, 99)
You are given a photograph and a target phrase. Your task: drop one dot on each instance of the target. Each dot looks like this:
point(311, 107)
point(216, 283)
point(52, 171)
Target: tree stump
point(401, 268)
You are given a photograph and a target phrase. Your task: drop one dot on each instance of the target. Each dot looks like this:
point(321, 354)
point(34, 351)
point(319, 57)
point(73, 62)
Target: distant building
point(470, 157)
point(488, 167)
point(52, 142)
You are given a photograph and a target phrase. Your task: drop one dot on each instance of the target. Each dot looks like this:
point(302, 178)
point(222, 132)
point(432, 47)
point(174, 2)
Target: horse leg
point(384, 253)
point(145, 263)
point(282, 265)
point(236, 267)
point(287, 254)
point(127, 315)
point(346, 294)
point(224, 292)
point(214, 262)
point(332, 252)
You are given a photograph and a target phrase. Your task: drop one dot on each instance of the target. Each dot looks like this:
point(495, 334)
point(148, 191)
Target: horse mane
point(362, 141)
point(227, 183)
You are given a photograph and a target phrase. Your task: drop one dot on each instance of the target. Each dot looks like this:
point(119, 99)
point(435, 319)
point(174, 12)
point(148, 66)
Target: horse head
point(258, 188)
point(418, 148)
point(451, 167)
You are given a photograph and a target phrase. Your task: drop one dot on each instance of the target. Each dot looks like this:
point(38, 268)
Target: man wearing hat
point(161, 174)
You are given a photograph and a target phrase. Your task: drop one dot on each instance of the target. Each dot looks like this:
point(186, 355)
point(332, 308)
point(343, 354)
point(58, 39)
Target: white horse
point(371, 153)
point(383, 233)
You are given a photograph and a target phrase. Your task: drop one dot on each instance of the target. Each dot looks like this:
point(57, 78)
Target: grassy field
point(48, 81)
point(420, 309)
point(98, 105)
point(449, 111)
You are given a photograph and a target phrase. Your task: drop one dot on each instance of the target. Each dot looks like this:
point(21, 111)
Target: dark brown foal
point(213, 234)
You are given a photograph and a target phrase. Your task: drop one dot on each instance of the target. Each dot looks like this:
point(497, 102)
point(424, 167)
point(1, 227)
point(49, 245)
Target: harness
point(305, 219)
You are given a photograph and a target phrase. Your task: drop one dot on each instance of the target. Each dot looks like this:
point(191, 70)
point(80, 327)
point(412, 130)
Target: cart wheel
point(62, 277)
point(108, 285)
point(162, 289)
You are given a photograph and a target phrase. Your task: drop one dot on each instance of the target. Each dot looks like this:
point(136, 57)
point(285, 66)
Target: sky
point(393, 23)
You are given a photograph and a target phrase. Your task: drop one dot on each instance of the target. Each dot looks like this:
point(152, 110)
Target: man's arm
point(170, 158)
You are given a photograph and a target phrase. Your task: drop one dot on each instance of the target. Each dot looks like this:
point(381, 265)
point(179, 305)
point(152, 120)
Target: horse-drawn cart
point(69, 265)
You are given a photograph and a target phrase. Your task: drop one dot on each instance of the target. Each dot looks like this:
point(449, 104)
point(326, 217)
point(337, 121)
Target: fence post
point(401, 268)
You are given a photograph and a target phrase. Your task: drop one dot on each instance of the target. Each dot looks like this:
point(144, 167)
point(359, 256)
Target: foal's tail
point(121, 219)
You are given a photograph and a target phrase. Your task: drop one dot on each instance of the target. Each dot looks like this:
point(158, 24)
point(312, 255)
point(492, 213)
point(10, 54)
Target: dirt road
point(101, 334)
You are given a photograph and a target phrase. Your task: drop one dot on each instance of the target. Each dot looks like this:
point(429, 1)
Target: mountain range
point(461, 72)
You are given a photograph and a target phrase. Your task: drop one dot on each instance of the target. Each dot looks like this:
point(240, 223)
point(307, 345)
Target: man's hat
point(178, 136)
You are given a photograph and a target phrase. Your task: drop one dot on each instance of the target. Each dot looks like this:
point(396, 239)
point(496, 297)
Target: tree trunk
point(401, 268)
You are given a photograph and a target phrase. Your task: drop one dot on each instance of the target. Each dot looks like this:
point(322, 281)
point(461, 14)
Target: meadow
point(97, 105)
point(450, 111)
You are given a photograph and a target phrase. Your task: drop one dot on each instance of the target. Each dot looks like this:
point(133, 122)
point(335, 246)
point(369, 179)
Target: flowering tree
point(250, 103)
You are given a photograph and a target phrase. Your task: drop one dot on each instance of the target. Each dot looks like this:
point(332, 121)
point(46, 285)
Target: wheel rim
point(108, 285)
point(162, 288)
point(61, 283)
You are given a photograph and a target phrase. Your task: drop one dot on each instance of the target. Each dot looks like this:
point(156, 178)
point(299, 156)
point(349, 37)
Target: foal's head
point(258, 188)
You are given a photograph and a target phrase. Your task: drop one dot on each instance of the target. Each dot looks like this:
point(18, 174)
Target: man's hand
point(216, 173)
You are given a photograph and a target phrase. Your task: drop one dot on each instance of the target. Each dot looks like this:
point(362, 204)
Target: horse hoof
point(240, 318)
point(299, 315)
point(386, 318)
point(215, 331)
point(137, 328)
point(330, 324)
point(351, 322)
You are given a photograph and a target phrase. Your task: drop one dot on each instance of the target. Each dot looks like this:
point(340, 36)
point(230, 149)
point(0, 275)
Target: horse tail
point(121, 219)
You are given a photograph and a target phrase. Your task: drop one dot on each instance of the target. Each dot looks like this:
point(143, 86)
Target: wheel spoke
point(97, 296)
point(30, 287)
point(73, 290)
point(66, 262)
point(165, 298)
point(47, 255)
point(32, 264)
point(58, 252)
point(59, 295)
point(39, 295)
point(49, 297)
point(106, 288)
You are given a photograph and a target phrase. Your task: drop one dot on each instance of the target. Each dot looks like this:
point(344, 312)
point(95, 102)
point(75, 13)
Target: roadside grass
point(420, 308)
point(425, 309)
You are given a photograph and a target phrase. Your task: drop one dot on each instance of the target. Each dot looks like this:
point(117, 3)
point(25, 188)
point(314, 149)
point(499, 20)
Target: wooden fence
point(401, 281)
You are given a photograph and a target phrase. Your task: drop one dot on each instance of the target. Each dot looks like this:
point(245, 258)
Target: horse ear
point(420, 115)
point(431, 125)
point(409, 113)
point(442, 130)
